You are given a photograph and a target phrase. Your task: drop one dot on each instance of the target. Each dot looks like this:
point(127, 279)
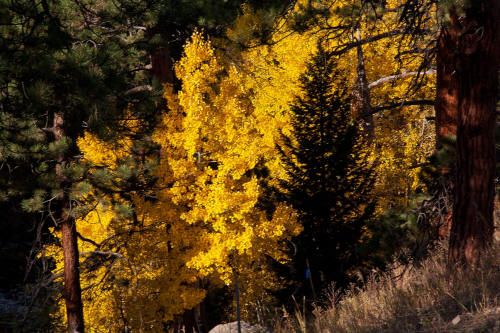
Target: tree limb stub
point(138, 89)
point(403, 75)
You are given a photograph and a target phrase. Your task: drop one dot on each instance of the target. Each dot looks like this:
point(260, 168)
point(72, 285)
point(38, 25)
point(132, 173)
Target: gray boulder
point(233, 328)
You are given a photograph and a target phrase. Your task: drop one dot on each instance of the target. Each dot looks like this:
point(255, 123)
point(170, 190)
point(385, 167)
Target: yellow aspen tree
point(133, 271)
point(213, 144)
point(218, 143)
point(403, 137)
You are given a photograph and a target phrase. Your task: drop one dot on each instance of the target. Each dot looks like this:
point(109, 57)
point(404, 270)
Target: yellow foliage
point(136, 277)
point(213, 139)
point(403, 137)
point(205, 221)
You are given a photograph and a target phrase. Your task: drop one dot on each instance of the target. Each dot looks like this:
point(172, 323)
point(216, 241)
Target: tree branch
point(102, 253)
point(138, 89)
point(348, 46)
point(398, 76)
point(341, 49)
point(50, 130)
point(399, 104)
point(113, 254)
point(87, 240)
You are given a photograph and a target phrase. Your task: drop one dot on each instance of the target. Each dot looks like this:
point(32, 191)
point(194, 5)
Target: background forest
point(321, 165)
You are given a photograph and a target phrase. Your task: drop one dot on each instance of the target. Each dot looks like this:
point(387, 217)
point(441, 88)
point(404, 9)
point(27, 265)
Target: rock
point(233, 328)
point(456, 320)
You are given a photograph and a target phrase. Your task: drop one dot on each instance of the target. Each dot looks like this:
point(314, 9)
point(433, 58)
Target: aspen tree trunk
point(238, 309)
point(477, 54)
point(361, 103)
point(72, 289)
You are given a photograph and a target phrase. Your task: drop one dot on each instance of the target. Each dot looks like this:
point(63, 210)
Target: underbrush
point(428, 297)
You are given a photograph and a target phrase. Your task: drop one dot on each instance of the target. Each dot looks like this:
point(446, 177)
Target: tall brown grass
point(426, 297)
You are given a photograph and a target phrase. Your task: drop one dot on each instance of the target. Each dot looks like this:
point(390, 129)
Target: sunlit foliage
point(215, 156)
point(146, 256)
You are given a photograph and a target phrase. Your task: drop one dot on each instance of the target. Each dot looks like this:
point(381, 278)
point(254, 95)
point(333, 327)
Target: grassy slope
point(427, 298)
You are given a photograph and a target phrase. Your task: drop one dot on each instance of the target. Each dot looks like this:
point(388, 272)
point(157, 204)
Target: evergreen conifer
point(330, 179)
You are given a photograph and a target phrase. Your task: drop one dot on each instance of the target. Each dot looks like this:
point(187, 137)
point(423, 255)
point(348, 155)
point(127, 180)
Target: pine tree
point(72, 66)
point(466, 97)
point(62, 70)
point(330, 178)
point(476, 69)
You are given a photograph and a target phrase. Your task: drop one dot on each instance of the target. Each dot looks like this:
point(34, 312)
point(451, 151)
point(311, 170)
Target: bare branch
point(51, 130)
point(147, 67)
point(399, 104)
point(103, 253)
point(398, 77)
point(348, 46)
point(87, 240)
point(113, 254)
point(138, 89)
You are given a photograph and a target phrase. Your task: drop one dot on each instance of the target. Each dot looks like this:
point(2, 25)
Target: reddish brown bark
point(161, 60)
point(162, 65)
point(477, 52)
point(72, 288)
point(446, 108)
point(446, 102)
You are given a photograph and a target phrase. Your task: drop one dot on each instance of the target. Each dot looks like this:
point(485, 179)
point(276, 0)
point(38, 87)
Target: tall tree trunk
point(446, 103)
point(72, 289)
point(361, 103)
point(161, 59)
point(446, 108)
point(477, 54)
point(162, 65)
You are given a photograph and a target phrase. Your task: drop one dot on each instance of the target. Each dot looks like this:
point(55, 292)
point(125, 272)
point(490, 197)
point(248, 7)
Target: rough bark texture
point(162, 65)
point(477, 53)
point(72, 288)
point(161, 59)
point(446, 108)
point(446, 103)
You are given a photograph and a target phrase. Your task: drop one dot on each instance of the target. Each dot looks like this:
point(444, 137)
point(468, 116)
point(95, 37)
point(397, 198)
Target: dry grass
point(418, 299)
